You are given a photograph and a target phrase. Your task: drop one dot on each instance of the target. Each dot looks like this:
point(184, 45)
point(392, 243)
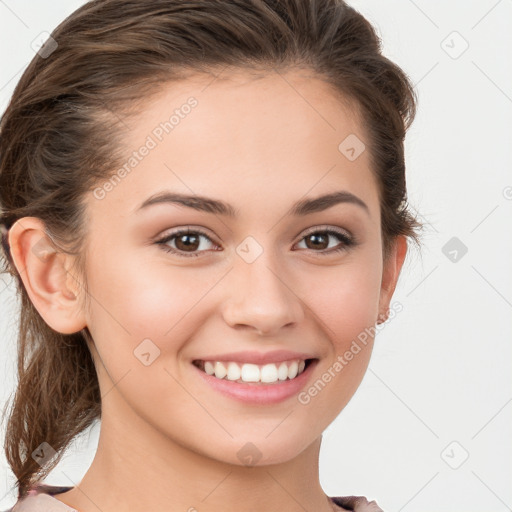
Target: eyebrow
point(210, 205)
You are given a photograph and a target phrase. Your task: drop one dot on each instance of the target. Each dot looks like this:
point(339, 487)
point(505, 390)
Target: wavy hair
point(60, 135)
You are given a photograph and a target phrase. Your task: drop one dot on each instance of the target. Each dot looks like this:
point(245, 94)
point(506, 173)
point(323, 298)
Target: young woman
point(204, 207)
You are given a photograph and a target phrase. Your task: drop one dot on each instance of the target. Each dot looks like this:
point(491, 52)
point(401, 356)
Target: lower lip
point(259, 393)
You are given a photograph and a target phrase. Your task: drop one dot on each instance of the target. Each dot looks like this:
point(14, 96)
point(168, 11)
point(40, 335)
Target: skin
point(168, 441)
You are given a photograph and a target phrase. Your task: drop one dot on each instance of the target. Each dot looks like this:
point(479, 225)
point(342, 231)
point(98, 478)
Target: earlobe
point(43, 269)
point(390, 274)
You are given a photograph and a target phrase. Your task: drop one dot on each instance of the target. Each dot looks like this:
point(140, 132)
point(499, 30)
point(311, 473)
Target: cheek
point(134, 302)
point(345, 299)
point(344, 303)
point(139, 322)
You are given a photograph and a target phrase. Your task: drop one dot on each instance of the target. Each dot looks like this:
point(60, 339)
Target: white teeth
point(248, 372)
point(233, 371)
point(282, 373)
point(220, 370)
point(269, 373)
point(293, 369)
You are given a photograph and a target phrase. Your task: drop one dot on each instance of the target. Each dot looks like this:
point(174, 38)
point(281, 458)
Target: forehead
point(249, 139)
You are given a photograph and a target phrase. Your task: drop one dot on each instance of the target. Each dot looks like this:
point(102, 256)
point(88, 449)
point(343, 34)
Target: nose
point(261, 298)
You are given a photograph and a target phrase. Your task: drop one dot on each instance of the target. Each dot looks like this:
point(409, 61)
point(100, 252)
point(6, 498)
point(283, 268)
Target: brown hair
point(57, 142)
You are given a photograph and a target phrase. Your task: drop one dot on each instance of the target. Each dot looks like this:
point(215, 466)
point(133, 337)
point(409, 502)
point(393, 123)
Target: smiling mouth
point(270, 373)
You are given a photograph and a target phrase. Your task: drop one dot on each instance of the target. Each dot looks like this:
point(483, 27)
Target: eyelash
point(348, 241)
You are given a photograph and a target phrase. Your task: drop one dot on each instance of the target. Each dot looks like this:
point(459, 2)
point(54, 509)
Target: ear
point(390, 273)
point(44, 270)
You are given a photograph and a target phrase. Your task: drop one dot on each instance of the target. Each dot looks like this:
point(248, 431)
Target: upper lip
point(254, 357)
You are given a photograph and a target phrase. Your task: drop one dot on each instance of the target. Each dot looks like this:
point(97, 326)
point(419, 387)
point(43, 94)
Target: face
point(259, 275)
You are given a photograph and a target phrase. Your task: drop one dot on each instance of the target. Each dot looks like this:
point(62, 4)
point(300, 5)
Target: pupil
point(317, 237)
point(188, 243)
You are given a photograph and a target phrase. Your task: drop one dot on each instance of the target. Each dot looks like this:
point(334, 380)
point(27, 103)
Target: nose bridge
point(260, 296)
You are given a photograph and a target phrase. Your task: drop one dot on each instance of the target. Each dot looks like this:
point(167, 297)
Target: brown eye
point(187, 242)
point(318, 241)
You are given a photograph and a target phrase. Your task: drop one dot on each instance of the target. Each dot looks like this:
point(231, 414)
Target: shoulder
point(356, 503)
point(40, 499)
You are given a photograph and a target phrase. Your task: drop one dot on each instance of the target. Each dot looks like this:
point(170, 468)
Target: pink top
point(40, 499)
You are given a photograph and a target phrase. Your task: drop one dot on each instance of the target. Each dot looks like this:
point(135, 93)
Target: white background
point(439, 384)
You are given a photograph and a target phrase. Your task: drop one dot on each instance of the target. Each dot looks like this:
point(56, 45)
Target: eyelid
point(164, 239)
point(206, 232)
point(327, 227)
point(187, 227)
